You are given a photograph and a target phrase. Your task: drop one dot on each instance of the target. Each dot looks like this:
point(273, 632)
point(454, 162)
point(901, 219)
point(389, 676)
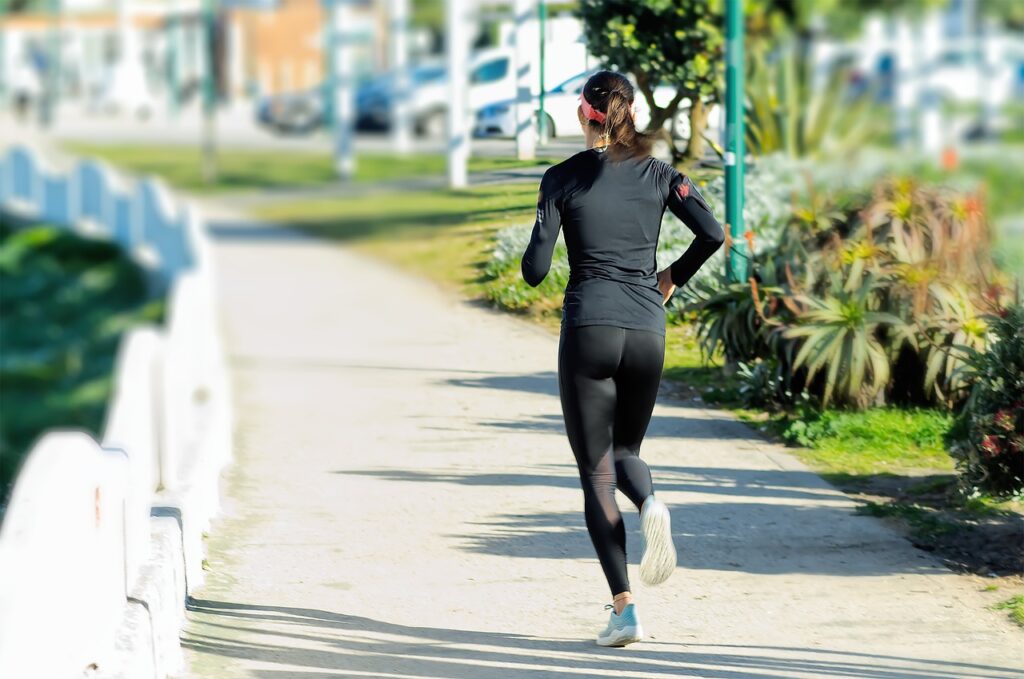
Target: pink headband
point(589, 112)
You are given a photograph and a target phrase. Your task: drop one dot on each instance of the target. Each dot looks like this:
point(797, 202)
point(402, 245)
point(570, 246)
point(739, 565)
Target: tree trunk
point(660, 114)
point(699, 113)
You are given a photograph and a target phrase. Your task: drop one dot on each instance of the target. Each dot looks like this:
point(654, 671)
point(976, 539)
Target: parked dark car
point(293, 112)
point(307, 110)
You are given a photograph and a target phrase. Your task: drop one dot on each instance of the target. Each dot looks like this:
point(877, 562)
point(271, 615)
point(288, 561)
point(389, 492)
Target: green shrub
point(65, 302)
point(764, 384)
point(988, 440)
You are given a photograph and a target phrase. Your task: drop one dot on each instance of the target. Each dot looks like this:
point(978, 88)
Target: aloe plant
point(838, 337)
point(730, 319)
point(786, 113)
point(863, 292)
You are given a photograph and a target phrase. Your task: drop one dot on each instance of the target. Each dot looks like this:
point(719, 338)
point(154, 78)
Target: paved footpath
point(404, 504)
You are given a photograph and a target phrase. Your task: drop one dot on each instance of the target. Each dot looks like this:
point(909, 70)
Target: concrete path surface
point(404, 504)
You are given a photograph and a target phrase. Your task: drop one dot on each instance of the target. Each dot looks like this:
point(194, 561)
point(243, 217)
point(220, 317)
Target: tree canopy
point(677, 43)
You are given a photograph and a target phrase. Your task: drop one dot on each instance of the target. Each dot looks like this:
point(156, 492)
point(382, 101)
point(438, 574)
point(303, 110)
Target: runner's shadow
point(748, 537)
point(712, 426)
point(558, 478)
point(531, 383)
point(756, 483)
point(753, 521)
point(668, 426)
point(305, 642)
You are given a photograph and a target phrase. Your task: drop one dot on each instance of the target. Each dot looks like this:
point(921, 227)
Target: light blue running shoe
point(622, 629)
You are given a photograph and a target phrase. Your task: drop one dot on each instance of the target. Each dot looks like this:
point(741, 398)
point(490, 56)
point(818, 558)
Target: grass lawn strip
point(249, 170)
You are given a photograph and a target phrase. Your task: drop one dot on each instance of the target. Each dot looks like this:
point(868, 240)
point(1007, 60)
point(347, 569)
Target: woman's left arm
point(537, 258)
point(689, 207)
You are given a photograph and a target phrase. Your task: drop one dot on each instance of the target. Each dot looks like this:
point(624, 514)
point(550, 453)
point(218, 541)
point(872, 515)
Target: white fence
point(102, 541)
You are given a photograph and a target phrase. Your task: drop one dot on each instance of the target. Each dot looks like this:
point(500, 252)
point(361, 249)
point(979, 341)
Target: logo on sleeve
point(683, 189)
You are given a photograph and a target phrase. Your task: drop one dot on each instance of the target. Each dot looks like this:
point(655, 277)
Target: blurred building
point(947, 74)
point(143, 55)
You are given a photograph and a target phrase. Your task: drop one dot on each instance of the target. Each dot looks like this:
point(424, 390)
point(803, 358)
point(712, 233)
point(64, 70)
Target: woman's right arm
point(689, 206)
point(537, 258)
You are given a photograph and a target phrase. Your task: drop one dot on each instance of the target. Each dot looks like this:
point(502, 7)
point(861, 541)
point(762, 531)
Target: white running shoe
point(659, 559)
point(622, 629)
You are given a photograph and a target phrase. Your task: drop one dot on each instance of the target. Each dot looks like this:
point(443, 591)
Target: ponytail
point(610, 97)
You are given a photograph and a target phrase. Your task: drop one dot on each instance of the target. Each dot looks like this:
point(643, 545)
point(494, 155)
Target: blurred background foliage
point(65, 303)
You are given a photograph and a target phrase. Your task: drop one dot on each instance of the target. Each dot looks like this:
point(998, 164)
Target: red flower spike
point(990, 444)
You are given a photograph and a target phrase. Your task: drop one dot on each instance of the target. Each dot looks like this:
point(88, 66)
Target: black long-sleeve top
point(611, 211)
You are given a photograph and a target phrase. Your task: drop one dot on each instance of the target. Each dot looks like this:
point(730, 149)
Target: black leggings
point(608, 380)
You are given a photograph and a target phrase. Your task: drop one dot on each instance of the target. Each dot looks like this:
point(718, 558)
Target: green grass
point(851, 448)
point(873, 441)
point(441, 235)
point(1014, 135)
point(65, 303)
point(240, 170)
point(1014, 606)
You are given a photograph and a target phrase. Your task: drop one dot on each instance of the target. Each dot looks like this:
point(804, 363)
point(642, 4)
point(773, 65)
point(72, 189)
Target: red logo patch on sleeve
point(683, 189)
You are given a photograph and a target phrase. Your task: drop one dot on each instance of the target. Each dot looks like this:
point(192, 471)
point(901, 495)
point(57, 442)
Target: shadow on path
point(760, 538)
point(744, 483)
point(753, 521)
point(546, 383)
point(307, 643)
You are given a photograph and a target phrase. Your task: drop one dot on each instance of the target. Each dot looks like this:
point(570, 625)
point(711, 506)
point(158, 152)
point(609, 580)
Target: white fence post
point(24, 193)
point(133, 426)
point(55, 206)
point(62, 551)
point(94, 197)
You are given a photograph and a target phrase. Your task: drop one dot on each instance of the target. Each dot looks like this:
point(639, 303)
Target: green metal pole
point(542, 119)
point(736, 261)
point(52, 86)
point(330, 72)
point(173, 50)
point(3, 59)
point(209, 94)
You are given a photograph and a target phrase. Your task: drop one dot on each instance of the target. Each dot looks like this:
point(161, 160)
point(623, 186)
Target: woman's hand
point(666, 285)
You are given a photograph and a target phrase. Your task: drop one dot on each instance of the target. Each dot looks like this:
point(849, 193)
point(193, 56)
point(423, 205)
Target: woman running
point(610, 200)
